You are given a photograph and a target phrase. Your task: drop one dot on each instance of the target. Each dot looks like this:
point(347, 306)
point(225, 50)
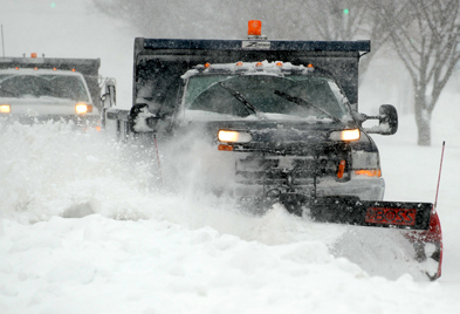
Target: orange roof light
point(17, 68)
point(73, 70)
point(310, 65)
point(254, 28)
point(33, 55)
point(239, 63)
point(279, 64)
point(54, 69)
point(207, 65)
point(35, 68)
point(259, 64)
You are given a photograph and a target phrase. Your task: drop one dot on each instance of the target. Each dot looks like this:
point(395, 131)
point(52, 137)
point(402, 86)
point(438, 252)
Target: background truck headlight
point(5, 108)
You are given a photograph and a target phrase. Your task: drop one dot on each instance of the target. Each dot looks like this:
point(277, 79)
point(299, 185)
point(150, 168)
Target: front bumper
point(307, 175)
point(364, 188)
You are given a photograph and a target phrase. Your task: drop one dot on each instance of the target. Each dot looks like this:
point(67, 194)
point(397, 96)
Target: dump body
point(160, 62)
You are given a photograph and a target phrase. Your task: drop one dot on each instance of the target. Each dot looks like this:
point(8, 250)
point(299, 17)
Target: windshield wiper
point(242, 100)
point(302, 102)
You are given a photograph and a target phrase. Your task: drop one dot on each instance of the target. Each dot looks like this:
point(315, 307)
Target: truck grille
point(293, 166)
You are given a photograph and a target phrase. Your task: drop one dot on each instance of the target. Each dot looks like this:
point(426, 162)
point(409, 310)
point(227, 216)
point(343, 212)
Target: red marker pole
point(439, 176)
point(158, 157)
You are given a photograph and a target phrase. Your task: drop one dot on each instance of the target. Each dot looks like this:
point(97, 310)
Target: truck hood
point(43, 106)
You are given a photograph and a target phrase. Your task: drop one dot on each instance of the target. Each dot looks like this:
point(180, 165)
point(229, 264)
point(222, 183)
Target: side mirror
point(109, 97)
point(388, 121)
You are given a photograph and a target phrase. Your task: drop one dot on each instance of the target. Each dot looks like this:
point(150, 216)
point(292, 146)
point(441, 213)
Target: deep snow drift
point(147, 250)
point(142, 248)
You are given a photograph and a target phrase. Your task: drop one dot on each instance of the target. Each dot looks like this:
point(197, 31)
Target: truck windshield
point(36, 86)
point(297, 96)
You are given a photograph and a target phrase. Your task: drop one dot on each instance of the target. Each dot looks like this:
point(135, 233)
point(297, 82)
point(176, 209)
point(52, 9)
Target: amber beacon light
point(254, 28)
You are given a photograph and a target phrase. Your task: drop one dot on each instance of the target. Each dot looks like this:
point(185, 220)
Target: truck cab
point(42, 89)
point(291, 129)
point(284, 113)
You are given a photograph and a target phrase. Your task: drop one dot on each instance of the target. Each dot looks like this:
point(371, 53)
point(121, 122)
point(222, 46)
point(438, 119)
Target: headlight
point(346, 135)
point(234, 136)
point(82, 108)
point(5, 108)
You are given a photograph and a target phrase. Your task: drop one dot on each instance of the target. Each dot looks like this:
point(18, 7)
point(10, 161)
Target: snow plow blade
point(418, 222)
point(352, 211)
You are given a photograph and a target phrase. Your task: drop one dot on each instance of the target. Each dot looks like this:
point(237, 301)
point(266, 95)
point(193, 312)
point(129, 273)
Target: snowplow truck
point(284, 114)
point(41, 89)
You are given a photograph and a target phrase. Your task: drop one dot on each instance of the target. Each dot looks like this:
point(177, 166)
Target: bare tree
point(350, 20)
point(290, 20)
point(426, 34)
point(212, 18)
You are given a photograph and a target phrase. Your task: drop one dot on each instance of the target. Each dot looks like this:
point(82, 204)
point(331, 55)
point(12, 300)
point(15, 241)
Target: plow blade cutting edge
point(352, 211)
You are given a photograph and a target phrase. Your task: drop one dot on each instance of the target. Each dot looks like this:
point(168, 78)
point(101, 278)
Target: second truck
point(39, 89)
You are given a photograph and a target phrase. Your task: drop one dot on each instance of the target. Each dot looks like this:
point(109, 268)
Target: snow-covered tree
point(290, 20)
point(426, 36)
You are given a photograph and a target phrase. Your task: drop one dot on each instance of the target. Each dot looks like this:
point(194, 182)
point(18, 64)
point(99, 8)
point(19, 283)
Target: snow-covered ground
point(145, 250)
